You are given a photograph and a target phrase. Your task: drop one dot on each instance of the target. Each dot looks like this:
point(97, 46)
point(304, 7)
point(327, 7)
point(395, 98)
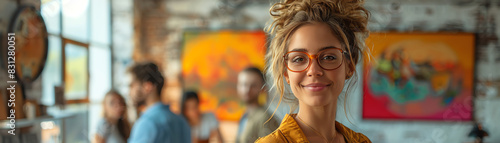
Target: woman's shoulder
point(103, 127)
point(359, 137)
point(103, 122)
point(274, 137)
point(352, 136)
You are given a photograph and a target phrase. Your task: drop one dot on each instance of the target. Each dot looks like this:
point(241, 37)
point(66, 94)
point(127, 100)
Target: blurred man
point(157, 124)
point(253, 123)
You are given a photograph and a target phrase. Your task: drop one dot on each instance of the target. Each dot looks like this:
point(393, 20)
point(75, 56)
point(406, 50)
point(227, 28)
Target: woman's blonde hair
point(346, 18)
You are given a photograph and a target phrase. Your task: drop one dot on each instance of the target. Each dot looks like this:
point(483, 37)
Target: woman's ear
point(349, 71)
point(349, 75)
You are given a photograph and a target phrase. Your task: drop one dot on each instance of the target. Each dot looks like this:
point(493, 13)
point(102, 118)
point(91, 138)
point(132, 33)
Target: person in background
point(156, 124)
point(478, 132)
point(114, 127)
point(256, 122)
point(204, 126)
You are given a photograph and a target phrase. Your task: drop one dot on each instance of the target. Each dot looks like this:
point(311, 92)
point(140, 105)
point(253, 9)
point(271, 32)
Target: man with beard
point(156, 123)
point(256, 122)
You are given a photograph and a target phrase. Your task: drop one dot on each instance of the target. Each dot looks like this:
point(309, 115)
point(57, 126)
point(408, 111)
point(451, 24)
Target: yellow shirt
point(290, 132)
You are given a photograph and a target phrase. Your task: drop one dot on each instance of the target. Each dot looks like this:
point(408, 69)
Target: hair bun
point(350, 14)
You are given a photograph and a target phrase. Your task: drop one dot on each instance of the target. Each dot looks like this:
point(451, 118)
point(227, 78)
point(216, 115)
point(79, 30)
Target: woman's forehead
point(113, 98)
point(313, 38)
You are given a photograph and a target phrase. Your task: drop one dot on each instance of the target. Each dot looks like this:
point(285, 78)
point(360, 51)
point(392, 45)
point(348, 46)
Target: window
point(79, 57)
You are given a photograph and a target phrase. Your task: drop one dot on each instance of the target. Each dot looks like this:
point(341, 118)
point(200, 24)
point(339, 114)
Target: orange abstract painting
point(423, 76)
point(211, 62)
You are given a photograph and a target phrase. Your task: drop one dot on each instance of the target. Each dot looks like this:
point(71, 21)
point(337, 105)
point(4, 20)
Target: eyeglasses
point(328, 59)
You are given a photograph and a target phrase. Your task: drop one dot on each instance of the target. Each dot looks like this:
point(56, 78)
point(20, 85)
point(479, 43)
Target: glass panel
point(100, 82)
point(51, 75)
point(100, 72)
point(76, 72)
point(76, 128)
point(51, 11)
point(75, 19)
point(100, 21)
point(93, 120)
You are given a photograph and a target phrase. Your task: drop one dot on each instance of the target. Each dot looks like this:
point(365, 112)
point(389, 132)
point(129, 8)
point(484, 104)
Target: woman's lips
point(315, 86)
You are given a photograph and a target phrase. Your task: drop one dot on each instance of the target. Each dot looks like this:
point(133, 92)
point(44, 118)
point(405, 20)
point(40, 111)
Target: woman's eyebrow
point(299, 50)
point(327, 47)
point(305, 50)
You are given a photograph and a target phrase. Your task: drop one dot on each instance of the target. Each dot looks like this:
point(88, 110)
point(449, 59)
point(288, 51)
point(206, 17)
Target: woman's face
point(315, 86)
point(115, 108)
point(192, 110)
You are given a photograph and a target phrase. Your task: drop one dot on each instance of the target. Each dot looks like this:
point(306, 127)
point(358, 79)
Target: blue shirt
point(242, 125)
point(159, 125)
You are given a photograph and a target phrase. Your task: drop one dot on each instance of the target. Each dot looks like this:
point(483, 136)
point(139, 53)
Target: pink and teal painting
point(419, 76)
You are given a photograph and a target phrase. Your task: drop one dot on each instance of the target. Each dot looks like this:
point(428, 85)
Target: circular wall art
point(31, 43)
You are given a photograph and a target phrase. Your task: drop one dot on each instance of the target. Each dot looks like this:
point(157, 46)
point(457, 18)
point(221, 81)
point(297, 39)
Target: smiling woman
point(315, 49)
point(315, 85)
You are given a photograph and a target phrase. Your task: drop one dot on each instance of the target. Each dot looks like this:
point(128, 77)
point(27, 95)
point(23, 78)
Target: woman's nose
point(314, 69)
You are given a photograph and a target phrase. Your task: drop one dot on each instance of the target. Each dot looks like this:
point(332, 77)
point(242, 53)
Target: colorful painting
point(419, 76)
point(76, 72)
point(211, 62)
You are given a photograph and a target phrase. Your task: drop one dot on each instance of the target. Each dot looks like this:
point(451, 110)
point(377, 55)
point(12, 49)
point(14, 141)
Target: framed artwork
point(211, 61)
point(419, 76)
point(76, 71)
point(31, 42)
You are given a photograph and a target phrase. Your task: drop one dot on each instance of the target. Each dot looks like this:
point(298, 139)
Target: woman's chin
point(316, 98)
point(318, 101)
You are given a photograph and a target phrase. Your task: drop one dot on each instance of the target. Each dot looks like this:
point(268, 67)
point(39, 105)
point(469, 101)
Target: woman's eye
point(329, 58)
point(298, 60)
